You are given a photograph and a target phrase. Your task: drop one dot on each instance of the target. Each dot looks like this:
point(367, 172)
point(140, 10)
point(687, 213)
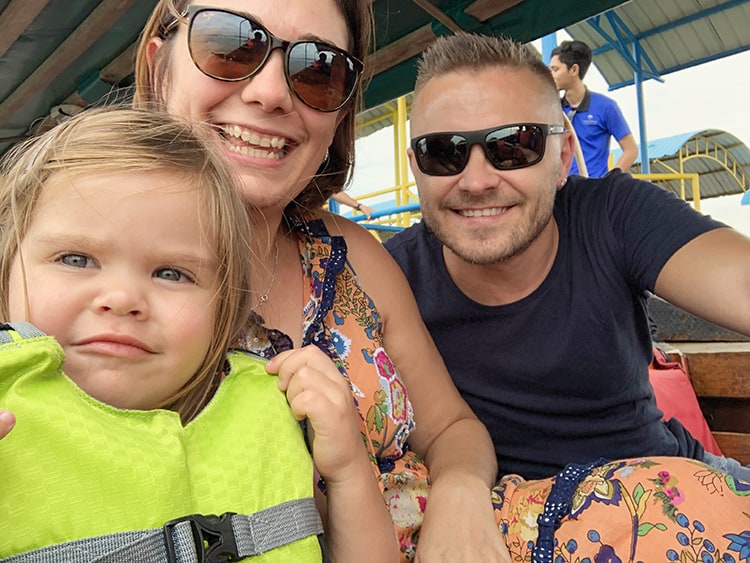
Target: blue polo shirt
point(596, 119)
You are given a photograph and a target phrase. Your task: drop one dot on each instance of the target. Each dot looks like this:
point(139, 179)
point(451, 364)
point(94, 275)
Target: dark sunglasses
point(232, 47)
point(507, 147)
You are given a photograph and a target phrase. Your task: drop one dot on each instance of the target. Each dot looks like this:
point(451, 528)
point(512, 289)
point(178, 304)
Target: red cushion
point(676, 398)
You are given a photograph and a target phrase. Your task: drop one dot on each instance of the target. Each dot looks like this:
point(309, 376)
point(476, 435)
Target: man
point(595, 117)
point(532, 283)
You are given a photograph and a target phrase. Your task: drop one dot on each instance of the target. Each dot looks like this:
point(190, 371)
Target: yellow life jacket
point(76, 468)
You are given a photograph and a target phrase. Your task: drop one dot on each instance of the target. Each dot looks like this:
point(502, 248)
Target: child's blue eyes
point(166, 273)
point(172, 274)
point(75, 260)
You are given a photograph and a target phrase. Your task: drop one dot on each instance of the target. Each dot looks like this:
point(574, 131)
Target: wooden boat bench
point(717, 361)
point(720, 375)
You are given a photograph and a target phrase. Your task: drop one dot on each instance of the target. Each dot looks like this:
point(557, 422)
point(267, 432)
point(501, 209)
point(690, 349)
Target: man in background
point(595, 117)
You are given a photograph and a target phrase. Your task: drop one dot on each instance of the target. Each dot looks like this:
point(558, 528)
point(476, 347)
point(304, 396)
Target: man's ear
point(415, 171)
point(567, 152)
point(575, 69)
point(412, 162)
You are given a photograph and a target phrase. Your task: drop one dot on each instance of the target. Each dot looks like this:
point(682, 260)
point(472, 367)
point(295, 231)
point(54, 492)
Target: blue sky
point(710, 96)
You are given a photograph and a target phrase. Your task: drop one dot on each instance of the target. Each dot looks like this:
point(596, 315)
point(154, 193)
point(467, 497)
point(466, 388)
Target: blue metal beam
point(645, 163)
point(630, 48)
point(383, 210)
point(694, 62)
point(334, 206)
point(384, 228)
point(622, 43)
point(680, 22)
point(549, 42)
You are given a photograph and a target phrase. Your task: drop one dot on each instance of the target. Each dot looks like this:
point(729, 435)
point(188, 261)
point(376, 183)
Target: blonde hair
point(337, 171)
point(472, 52)
point(120, 140)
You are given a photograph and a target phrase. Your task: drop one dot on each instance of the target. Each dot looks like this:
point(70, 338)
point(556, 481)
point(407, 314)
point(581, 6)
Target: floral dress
point(341, 320)
point(651, 510)
point(647, 510)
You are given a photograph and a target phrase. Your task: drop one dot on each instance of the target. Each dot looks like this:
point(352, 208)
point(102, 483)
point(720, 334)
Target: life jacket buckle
point(213, 536)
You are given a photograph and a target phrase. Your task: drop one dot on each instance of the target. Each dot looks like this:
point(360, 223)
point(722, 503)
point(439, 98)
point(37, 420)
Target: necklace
point(264, 296)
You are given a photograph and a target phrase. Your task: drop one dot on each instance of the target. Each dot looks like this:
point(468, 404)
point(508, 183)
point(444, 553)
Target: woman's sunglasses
point(507, 147)
point(232, 47)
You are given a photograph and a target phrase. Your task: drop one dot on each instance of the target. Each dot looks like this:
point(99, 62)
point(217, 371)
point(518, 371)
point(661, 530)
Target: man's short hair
point(474, 52)
point(574, 53)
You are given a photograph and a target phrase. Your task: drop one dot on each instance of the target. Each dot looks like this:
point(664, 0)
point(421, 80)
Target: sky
point(713, 95)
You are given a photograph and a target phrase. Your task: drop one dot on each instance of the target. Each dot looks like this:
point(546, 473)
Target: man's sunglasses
point(232, 47)
point(507, 147)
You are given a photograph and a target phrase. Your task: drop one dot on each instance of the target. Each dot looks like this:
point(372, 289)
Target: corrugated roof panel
point(667, 146)
point(719, 174)
point(675, 34)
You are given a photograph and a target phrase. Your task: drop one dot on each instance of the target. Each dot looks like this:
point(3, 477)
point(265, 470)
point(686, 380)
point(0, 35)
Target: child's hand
point(317, 391)
point(7, 422)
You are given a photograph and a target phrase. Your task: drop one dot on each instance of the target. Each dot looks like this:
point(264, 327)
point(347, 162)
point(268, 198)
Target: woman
point(284, 113)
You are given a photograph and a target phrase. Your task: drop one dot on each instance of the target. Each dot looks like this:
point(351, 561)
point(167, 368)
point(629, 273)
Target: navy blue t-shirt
point(561, 376)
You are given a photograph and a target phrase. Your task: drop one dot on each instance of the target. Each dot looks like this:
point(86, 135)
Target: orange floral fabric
point(655, 509)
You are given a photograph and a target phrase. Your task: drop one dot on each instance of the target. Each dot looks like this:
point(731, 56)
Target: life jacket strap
point(191, 539)
point(24, 330)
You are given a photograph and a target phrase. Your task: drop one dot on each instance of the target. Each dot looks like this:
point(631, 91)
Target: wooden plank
point(720, 375)
point(122, 66)
point(723, 374)
point(402, 50)
point(728, 415)
point(486, 9)
point(734, 445)
point(438, 14)
point(417, 41)
point(716, 369)
point(16, 17)
point(93, 27)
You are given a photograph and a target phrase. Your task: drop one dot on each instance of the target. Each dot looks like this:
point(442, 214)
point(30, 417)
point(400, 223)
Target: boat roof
point(57, 56)
point(670, 35)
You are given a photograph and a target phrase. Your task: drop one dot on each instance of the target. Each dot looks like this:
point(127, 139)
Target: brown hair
point(116, 139)
point(337, 170)
point(473, 52)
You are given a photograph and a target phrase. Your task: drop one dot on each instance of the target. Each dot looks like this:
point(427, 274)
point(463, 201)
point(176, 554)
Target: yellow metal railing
point(705, 147)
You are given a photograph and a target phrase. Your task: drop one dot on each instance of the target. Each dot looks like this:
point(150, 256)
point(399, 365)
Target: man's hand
point(459, 525)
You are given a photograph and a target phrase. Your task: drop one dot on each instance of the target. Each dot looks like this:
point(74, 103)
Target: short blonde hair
point(120, 140)
point(471, 52)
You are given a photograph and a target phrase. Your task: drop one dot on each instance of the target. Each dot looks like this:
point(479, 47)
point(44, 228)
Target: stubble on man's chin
point(485, 250)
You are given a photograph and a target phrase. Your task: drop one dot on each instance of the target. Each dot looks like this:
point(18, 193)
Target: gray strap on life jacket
point(25, 330)
point(192, 539)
